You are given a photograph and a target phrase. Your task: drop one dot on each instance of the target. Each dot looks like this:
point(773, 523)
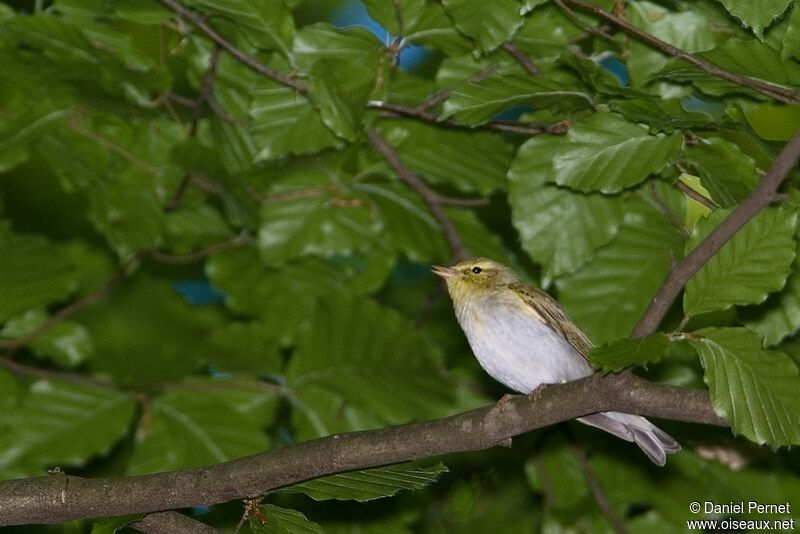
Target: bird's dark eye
point(477, 270)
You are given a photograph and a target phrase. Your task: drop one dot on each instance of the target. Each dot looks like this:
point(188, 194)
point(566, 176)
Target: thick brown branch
point(58, 498)
point(778, 92)
point(431, 199)
point(683, 270)
point(248, 60)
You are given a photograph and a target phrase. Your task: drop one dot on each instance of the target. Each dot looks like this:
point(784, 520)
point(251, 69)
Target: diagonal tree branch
point(55, 499)
point(682, 271)
point(778, 92)
point(248, 60)
point(431, 199)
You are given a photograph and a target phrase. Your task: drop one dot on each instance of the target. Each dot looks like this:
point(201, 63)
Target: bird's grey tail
point(655, 443)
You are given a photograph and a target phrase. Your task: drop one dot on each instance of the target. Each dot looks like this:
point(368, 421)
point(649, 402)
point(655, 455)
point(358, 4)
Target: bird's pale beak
point(444, 272)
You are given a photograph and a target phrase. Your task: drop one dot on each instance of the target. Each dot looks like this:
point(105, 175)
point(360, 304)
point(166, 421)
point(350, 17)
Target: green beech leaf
point(753, 388)
point(202, 423)
point(726, 171)
point(74, 423)
point(470, 161)
point(68, 343)
point(622, 353)
point(33, 273)
point(340, 89)
point(477, 102)
point(605, 153)
point(370, 366)
point(756, 15)
point(277, 520)
point(284, 123)
point(111, 525)
point(488, 23)
point(754, 263)
point(608, 294)
point(779, 316)
point(265, 23)
point(558, 228)
point(369, 484)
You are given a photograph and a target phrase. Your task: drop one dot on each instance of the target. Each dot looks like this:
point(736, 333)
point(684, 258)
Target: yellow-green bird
point(523, 339)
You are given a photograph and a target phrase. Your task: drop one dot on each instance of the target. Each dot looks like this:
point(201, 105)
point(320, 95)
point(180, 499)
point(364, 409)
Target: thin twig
point(248, 60)
point(591, 30)
point(523, 60)
point(694, 195)
point(463, 202)
point(762, 196)
point(778, 92)
point(597, 491)
point(185, 259)
point(524, 128)
point(197, 105)
point(122, 152)
point(430, 198)
point(441, 96)
point(70, 309)
point(21, 369)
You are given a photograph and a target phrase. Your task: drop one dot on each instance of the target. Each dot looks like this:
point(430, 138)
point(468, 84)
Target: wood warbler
point(523, 339)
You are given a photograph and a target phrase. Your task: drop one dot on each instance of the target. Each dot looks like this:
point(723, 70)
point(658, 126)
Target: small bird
point(524, 339)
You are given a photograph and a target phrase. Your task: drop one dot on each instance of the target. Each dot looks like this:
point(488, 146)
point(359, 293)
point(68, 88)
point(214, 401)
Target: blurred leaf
point(470, 161)
point(128, 212)
point(111, 525)
point(557, 470)
point(285, 123)
point(314, 213)
point(321, 40)
point(756, 16)
point(391, 14)
point(622, 276)
point(201, 423)
point(146, 332)
point(33, 273)
point(408, 225)
point(265, 23)
point(754, 263)
point(369, 484)
point(477, 102)
point(74, 423)
point(752, 388)
point(771, 121)
point(282, 521)
point(779, 316)
point(559, 228)
point(249, 347)
point(67, 342)
point(489, 24)
point(622, 353)
point(373, 366)
point(9, 391)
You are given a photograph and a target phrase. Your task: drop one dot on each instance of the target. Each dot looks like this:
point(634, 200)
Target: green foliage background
point(318, 313)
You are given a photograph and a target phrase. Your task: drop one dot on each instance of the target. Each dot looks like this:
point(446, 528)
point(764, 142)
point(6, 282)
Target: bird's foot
point(505, 399)
point(536, 394)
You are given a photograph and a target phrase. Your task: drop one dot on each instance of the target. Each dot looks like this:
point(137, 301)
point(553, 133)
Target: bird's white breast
point(517, 349)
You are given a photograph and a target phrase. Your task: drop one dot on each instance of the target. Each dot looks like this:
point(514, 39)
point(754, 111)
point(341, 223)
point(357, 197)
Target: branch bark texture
point(59, 498)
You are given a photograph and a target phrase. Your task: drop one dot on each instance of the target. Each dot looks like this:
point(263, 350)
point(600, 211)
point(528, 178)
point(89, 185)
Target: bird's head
point(475, 278)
